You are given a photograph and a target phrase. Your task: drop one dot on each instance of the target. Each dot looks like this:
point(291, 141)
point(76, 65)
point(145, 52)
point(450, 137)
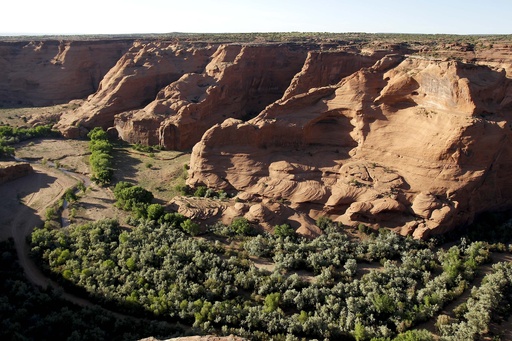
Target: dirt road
point(24, 202)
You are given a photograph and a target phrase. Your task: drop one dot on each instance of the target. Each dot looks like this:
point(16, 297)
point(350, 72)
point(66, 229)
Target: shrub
point(323, 223)
point(200, 191)
point(415, 335)
point(97, 134)
point(272, 302)
point(100, 147)
point(81, 186)
point(284, 230)
point(190, 227)
point(70, 195)
point(241, 226)
point(155, 211)
point(50, 213)
point(132, 198)
point(183, 189)
point(143, 148)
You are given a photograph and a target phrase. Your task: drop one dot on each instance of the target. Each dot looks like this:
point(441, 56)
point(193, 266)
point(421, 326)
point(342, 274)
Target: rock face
point(53, 72)
point(361, 132)
point(327, 68)
point(409, 143)
point(238, 82)
point(13, 170)
point(134, 82)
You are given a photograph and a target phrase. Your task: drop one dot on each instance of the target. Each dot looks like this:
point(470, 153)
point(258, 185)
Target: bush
point(5, 150)
point(51, 214)
point(100, 163)
point(324, 223)
point(70, 195)
point(200, 191)
point(155, 211)
point(183, 189)
point(272, 302)
point(241, 226)
point(284, 230)
point(132, 198)
point(415, 335)
point(97, 134)
point(143, 148)
point(190, 227)
point(81, 186)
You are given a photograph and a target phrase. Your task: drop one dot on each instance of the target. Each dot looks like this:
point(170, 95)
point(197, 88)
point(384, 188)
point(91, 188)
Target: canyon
point(411, 136)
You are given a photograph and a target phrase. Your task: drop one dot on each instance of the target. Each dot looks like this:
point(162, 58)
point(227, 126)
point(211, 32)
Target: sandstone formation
point(134, 82)
point(51, 72)
point(13, 170)
point(411, 143)
point(323, 68)
point(413, 136)
point(238, 82)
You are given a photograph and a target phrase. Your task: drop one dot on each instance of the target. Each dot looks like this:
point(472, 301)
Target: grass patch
point(160, 174)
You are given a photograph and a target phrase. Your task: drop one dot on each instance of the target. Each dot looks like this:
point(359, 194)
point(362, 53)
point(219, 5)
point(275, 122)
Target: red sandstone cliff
point(134, 81)
point(13, 170)
point(52, 72)
point(415, 144)
point(420, 144)
point(238, 82)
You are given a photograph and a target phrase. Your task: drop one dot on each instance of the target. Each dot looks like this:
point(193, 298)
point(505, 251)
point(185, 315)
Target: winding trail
point(28, 215)
point(18, 218)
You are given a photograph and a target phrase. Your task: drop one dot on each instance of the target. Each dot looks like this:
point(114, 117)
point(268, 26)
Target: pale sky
point(223, 16)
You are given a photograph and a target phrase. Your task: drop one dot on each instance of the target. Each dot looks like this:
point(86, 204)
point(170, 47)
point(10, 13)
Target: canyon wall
point(41, 73)
point(135, 81)
point(238, 82)
point(415, 139)
point(409, 143)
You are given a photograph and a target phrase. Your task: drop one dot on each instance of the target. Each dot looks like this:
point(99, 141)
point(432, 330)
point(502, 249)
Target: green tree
point(272, 301)
point(200, 191)
point(415, 335)
point(190, 227)
point(102, 146)
point(359, 332)
point(241, 226)
point(100, 159)
point(69, 195)
point(97, 133)
point(155, 211)
point(284, 230)
point(130, 197)
point(324, 223)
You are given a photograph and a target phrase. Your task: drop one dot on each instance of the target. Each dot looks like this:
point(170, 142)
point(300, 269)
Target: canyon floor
point(28, 198)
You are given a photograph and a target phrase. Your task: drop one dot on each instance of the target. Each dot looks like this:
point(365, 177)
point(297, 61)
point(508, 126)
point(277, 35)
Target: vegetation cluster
point(31, 313)
point(349, 37)
point(158, 270)
point(11, 135)
point(101, 156)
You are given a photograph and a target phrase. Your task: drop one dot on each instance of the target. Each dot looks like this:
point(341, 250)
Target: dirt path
point(23, 206)
point(47, 186)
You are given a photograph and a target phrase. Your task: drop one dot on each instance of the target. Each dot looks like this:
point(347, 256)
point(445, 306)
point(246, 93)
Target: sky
point(230, 16)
